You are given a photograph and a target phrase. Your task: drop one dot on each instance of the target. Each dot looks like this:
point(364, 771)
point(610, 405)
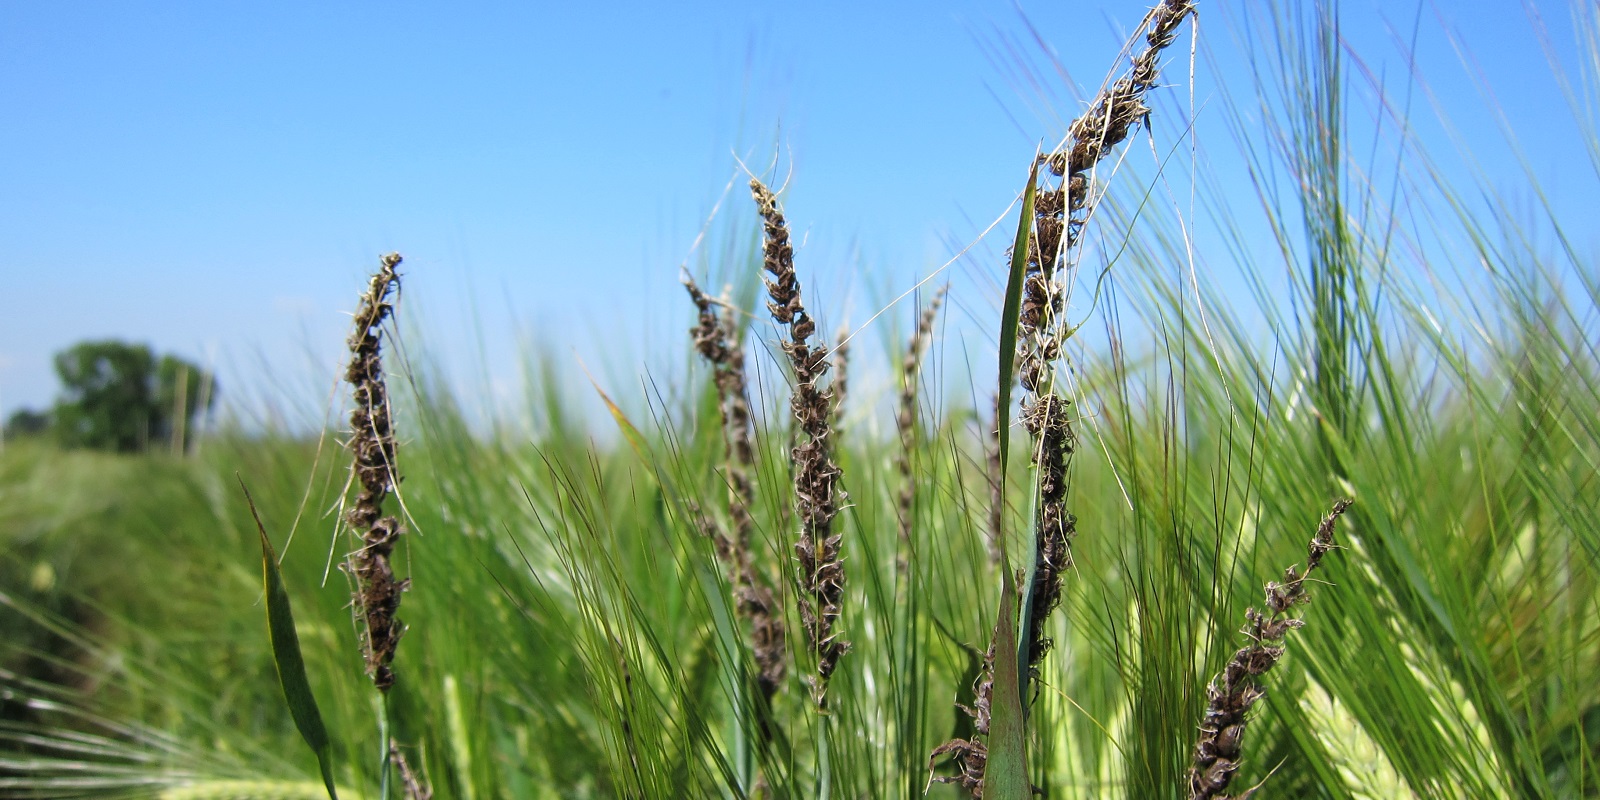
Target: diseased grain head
point(715, 339)
point(1061, 208)
point(1055, 527)
point(372, 447)
point(820, 569)
point(970, 756)
point(412, 783)
point(906, 418)
point(1061, 201)
point(1236, 688)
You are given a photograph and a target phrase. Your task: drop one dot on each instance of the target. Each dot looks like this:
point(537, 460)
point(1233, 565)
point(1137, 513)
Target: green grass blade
point(1005, 777)
point(1009, 314)
point(630, 431)
point(1008, 349)
point(286, 654)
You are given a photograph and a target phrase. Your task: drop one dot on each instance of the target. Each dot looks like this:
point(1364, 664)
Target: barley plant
point(1042, 578)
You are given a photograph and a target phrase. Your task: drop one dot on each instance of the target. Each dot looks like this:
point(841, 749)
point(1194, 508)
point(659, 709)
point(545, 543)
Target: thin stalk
point(387, 742)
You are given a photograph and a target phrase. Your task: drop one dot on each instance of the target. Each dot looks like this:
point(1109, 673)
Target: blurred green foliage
point(120, 397)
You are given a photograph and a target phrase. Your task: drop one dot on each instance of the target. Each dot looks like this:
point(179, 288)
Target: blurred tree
point(26, 422)
point(119, 397)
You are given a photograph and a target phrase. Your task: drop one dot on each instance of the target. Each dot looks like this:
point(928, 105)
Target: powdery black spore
point(1061, 210)
point(1114, 113)
point(1046, 419)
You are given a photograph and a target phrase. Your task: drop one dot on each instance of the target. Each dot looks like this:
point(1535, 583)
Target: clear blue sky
point(216, 179)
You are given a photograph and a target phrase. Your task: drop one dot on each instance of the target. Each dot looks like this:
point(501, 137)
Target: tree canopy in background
point(120, 396)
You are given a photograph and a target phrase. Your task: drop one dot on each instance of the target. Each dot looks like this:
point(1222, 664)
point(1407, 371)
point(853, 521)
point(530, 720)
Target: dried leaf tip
point(816, 477)
point(1234, 690)
point(372, 448)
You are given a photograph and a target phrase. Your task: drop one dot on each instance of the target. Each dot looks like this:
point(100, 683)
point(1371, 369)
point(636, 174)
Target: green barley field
point(1061, 574)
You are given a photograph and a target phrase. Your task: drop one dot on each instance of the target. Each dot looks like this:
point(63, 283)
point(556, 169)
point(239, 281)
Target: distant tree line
point(119, 396)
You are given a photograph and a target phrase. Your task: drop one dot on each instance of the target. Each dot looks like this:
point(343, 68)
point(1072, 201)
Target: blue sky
point(215, 179)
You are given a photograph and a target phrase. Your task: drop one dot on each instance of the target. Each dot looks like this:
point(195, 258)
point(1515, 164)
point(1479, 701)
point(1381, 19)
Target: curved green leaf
point(1008, 318)
point(286, 653)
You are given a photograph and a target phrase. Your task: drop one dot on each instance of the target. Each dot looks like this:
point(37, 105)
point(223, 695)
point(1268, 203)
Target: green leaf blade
point(1009, 314)
point(286, 655)
point(1005, 776)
